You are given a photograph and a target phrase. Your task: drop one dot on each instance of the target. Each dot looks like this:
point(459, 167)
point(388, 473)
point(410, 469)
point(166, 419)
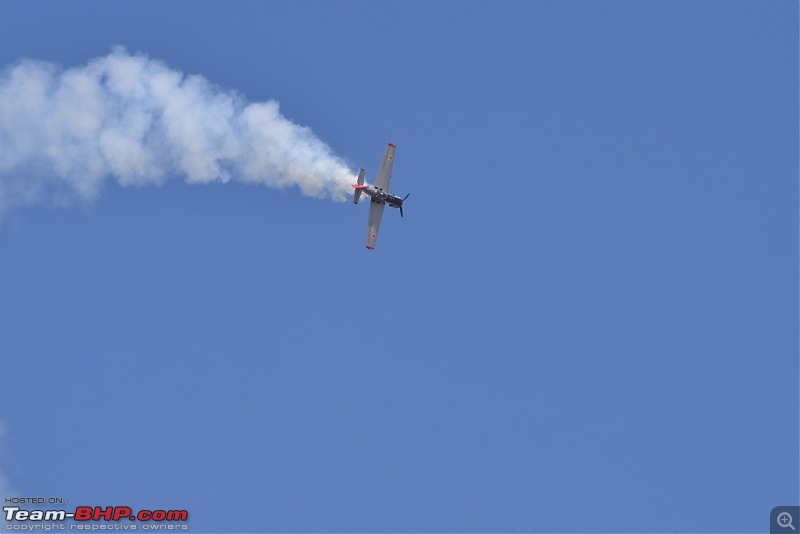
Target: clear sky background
point(586, 321)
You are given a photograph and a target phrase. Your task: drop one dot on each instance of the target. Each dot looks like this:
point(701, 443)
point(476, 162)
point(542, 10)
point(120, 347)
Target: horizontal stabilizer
point(357, 193)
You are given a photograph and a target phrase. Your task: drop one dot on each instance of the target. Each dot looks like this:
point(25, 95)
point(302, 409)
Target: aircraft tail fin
point(357, 193)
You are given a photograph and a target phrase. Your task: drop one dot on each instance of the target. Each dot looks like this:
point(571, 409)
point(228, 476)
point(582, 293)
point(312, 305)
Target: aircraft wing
point(385, 172)
point(375, 216)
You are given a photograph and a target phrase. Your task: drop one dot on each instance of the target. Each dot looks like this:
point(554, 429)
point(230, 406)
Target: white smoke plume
point(133, 119)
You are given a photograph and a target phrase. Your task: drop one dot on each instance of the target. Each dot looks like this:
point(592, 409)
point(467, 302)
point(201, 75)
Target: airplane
point(379, 195)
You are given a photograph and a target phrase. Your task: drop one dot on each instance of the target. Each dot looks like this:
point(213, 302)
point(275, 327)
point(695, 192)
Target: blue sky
point(586, 321)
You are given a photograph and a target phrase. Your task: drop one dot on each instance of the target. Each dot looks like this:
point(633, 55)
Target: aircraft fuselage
point(377, 194)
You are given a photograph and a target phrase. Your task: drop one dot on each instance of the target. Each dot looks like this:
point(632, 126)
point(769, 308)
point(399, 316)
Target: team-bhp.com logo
point(97, 514)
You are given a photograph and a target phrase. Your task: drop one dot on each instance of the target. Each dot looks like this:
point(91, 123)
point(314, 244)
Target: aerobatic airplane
point(379, 195)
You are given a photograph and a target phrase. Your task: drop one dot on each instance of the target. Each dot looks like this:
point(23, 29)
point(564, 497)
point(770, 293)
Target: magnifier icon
point(785, 520)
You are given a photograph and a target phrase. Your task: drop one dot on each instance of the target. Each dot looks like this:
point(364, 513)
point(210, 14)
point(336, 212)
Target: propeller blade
point(401, 204)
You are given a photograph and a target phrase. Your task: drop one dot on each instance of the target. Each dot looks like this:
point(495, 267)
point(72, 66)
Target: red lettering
point(83, 513)
point(177, 515)
point(121, 511)
point(106, 514)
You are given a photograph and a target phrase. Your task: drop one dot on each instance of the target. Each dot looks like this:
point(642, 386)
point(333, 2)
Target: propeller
point(401, 204)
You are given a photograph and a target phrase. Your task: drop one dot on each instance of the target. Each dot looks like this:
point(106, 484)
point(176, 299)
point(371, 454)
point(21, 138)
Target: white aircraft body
point(379, 195)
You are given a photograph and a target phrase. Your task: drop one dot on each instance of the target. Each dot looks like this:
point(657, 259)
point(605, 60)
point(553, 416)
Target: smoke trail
point(131, 118)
